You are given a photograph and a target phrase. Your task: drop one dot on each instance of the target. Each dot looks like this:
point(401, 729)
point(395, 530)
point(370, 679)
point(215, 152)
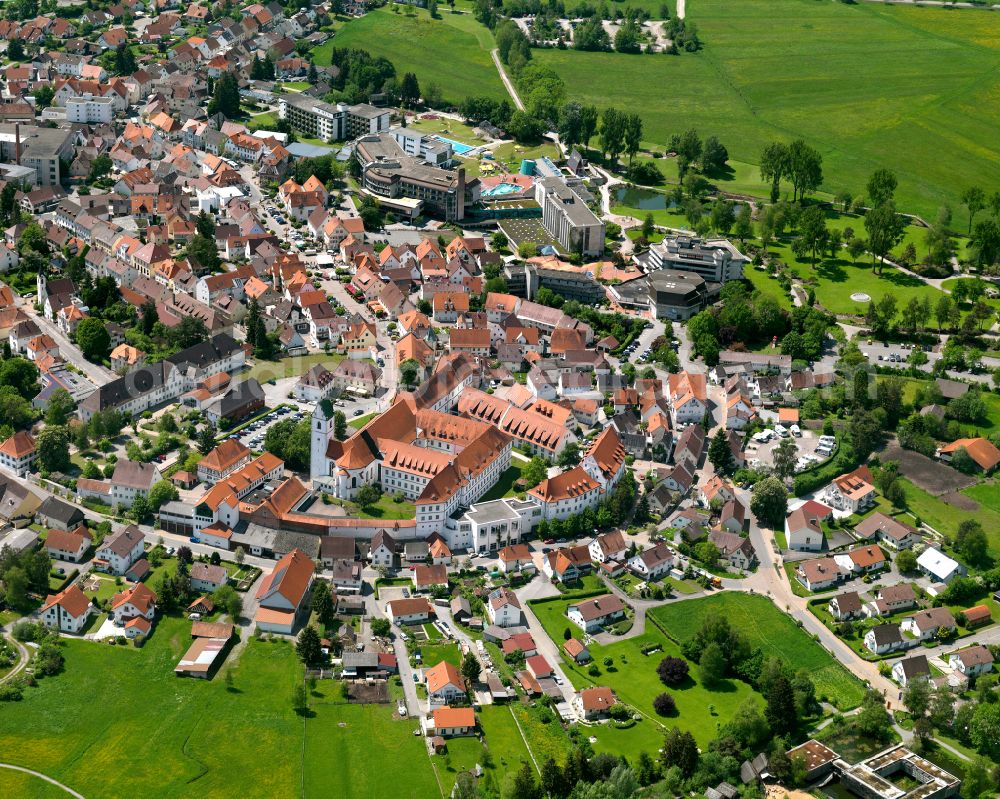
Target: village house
point(891, 599)
point(608, 547)
point(18, 454)
point(68, 545)
point(134, 609)
point(938, 566)
point(504, 608)
point(226, 458)
point(593, 614)
point(284, 594)
point(576, 651)
point(971, 662)
point(120, 550)
point(819, 573)
point(444, 684)
point(452, 721)
point(594, 703)
point(853, 491)
point(736, 550)
point(68, 611)
point(883, 638)
point(427, 578)
point(516, 558)
point(208, 578)
point(888, 531)
point(845, 606)
point(652, 563)
point(415, 610)
point(928, 623)
point(915, 667)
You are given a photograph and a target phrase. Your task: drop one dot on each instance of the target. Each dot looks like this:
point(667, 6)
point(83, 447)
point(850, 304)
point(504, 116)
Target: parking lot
point(761, 453)
point(252, 436)
point(893, 354)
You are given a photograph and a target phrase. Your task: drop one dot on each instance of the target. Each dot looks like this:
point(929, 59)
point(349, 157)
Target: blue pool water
point(501, 189)
point(457, 146)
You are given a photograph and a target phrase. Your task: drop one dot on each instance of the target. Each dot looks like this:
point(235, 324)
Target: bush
point(619, 712)
point(672, 671)
point(29, 631)
point(664, 705)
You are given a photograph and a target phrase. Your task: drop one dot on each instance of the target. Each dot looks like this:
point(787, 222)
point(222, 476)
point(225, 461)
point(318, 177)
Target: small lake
point(643, 199)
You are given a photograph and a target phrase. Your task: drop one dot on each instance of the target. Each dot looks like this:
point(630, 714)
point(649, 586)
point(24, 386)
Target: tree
point(229, 601)
point(322, 603)
point(785, 457)
point(125, 63)
point(226, 99)
point(885, 230)
point(707, 552)
point(664, 705)
point(769, 501)
point(712, 665)
point(780, 710)
point(100, 167)
point(15, 50)
point(570, 126)
point(339, 425)
point(906, 561)
point(308, 647)
point(471, 668)
point(774, 166)
point(206, 439)
point(21, 375)
point(805, 168)
point(971, 541)
point(881, 187)
point(974, 199)
point(93, 339)
point(720, 454)
point(521, 784)
point(570, 455)
point(714, 156)
point(409, 90)
point(367, 496)
point(812, 230)
point(534, 472)
point(381, 628)
point(917, 698)
point(612, 133)
point(52, 446)
point(680, 750)
point(588, 124)
point(672, 670)
point(60, 408)
point(300, 699)
point(161, 493)
point(984, 729)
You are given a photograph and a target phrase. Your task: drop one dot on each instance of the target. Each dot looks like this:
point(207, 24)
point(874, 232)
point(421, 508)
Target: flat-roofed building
point(567, 217)
point(715, 260)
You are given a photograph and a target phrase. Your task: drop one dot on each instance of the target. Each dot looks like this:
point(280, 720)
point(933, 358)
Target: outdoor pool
point(457, 146)
point(644, 199)
point(500, 190)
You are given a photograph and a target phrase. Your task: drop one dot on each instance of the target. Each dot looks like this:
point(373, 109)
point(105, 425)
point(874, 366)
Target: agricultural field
point(923, 79)
point(452, 52)
point(60, 730)
point(776, 633)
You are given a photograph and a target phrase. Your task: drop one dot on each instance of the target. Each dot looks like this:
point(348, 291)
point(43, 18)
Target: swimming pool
point(500, 190)
point(457, 146)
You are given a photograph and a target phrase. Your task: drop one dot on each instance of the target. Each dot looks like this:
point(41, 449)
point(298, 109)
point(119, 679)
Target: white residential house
point(911, 668)
point(940, 567)
point(884, 638)
point(119, 551)
point(590, 615)
point(67, 611)
point(504, 608)
point(608, 547)
point(653, 563)
point(972, 662)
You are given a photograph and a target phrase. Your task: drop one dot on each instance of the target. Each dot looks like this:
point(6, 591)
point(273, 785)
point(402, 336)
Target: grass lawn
point(503, 738)
point(415, 43)
point(385, 508)
point(449, 128)
point(341, 734)
point(766, 626)
point(505, 485)
point(432, 654)
point(266, 121)
point(296, 85)
point(360, 421)
point(13, 783)
point(76, 727)
point(545, 739)
point(292, 367)
point(926, 81)
point(946, 518)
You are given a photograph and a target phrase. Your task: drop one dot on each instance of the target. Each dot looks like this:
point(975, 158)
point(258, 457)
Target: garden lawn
point(925, 80)
point(503, 738)
point(432, 654)
point(633, 678)
point(773, 631)
point(946, 518)
point(545, 739)
point(360, 421)
point(452, 52)
point(385, 508)
point(360, 751)
point(505, 485)
point(292, 367)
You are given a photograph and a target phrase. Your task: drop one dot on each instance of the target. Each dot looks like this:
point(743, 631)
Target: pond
point(643, 199)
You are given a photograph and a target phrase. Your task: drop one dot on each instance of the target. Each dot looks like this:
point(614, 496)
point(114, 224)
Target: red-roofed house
point(282, 595)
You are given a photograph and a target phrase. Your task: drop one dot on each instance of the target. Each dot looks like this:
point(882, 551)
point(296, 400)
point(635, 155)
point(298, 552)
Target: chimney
point(17, 143)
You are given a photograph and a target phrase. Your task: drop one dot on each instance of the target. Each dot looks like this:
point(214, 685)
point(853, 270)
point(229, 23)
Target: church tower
point(322, 432)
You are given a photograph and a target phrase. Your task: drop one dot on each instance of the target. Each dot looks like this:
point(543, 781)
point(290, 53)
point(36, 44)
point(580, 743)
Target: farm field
point(60, 730)
point(946, 517)
point(773, 631)
point(923, 79)
point(452, 52)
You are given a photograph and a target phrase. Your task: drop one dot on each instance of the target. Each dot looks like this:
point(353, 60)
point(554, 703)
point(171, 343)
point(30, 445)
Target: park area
point(632, 670)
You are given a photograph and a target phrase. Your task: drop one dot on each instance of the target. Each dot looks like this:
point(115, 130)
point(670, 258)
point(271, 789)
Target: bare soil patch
point(934, 477)
point(961, 501)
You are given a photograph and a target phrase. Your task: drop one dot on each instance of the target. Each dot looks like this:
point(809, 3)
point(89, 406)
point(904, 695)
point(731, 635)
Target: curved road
point(41, 776)
point(23, 654)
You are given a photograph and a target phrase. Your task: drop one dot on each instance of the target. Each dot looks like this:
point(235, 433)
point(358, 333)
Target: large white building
point(568, 219)
point(332, 122)
point(90, 110)
point(715, 260)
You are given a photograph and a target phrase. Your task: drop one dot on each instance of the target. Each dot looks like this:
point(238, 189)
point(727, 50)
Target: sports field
point(452, 51)
point(913, 89)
